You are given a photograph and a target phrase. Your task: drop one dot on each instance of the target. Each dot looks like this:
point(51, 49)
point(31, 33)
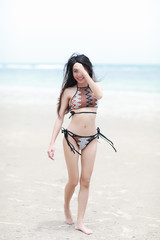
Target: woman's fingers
point(51, 154)
point(80, 67)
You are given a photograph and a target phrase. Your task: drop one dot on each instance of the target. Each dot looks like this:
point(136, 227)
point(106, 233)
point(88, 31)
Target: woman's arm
point(95, 87)
point(58, 123)
point(56, 129)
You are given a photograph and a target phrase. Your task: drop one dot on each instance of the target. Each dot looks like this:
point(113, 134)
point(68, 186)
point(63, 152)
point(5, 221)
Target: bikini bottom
point(83, 141)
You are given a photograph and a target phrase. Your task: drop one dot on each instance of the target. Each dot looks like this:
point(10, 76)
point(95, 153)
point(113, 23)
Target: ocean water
point(113, 78)
point(131, 91)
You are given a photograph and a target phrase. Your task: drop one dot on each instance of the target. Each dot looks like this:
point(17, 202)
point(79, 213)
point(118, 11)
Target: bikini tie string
point(72, 113)
point(105, 138)
point(68, 142)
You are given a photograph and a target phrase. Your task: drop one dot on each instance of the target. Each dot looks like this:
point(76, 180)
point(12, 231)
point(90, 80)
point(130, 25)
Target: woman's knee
point(73, 182)
point(85, 182)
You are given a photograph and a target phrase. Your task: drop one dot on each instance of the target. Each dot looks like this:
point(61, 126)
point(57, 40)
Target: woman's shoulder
point(70, 91)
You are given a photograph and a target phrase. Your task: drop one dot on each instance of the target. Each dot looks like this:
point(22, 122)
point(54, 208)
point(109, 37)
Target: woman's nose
point(79, 74)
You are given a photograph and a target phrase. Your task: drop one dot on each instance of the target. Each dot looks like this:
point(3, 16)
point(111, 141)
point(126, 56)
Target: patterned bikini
point(84, 97)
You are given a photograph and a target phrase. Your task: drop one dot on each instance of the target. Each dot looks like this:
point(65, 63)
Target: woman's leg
point(87, 161)
point(73, 177)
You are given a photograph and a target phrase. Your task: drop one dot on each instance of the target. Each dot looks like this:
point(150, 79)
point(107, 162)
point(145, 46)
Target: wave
point(30, 66)
point(52, 66)
point(17, 66)
point(48, 66)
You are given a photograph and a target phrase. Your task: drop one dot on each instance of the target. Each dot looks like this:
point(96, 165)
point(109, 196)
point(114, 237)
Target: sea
point(128, 90)
point(114, 78)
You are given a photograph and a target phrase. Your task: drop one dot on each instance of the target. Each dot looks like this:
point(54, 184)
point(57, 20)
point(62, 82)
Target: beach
point(124, 195)
point(125, 186)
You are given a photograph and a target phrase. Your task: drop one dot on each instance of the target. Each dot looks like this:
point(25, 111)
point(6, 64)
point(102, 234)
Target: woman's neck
point(82, 85)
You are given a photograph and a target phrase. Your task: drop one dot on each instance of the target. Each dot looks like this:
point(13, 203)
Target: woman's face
point(78, 76)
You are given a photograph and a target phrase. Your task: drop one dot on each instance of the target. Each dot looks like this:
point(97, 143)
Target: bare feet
point(83, 229)
point(68, 215)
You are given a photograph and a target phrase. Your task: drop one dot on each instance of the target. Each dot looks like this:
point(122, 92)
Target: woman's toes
point(84, 229)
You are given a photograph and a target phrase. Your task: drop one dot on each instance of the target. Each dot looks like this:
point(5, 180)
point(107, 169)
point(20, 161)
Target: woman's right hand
point(51, 151)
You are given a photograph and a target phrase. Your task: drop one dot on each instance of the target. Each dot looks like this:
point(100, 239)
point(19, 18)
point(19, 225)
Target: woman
point(79, 95)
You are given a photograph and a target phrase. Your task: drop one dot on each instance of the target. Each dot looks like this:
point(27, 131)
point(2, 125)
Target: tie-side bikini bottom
point(83, 141)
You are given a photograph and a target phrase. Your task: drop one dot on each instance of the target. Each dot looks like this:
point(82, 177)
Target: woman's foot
point(68, 215)
point(83, 229)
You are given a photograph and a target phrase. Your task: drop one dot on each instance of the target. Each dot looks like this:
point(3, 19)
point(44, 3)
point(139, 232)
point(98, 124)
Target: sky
point(107, 31)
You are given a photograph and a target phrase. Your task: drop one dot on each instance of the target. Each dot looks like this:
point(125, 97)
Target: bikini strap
point(73, 112)
point(105, 138)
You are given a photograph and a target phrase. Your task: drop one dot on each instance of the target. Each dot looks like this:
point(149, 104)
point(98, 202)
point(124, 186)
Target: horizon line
point(63, 63)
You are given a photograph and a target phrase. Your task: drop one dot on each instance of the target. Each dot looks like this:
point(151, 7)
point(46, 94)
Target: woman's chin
point(81, 82)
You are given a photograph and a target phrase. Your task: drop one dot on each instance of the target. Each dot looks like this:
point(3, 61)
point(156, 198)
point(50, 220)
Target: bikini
point(84, 97)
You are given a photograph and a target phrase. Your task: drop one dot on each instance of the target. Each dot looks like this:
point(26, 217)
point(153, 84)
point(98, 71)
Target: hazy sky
point(107, 31)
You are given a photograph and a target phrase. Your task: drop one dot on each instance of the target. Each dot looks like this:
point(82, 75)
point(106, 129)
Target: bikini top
point(84, 97)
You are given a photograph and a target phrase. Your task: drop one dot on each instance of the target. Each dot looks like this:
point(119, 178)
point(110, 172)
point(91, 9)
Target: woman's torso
point(82, 100)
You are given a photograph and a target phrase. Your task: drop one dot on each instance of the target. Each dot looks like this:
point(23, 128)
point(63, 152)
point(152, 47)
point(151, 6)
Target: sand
point(124, 200)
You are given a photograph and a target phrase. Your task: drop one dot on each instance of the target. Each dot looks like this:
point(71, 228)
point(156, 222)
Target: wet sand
point(125, 186)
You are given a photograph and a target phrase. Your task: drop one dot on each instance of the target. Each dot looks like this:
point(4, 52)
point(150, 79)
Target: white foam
point(18, 66)
point(48, 66)
point(31, 66)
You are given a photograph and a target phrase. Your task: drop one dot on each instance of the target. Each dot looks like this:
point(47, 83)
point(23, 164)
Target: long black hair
point(69, 80)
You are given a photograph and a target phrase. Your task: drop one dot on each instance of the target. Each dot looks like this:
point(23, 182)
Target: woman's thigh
point(88, 159)
point(71, 160)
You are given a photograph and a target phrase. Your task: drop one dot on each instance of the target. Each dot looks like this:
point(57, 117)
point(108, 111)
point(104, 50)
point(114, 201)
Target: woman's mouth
point(80, 79)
